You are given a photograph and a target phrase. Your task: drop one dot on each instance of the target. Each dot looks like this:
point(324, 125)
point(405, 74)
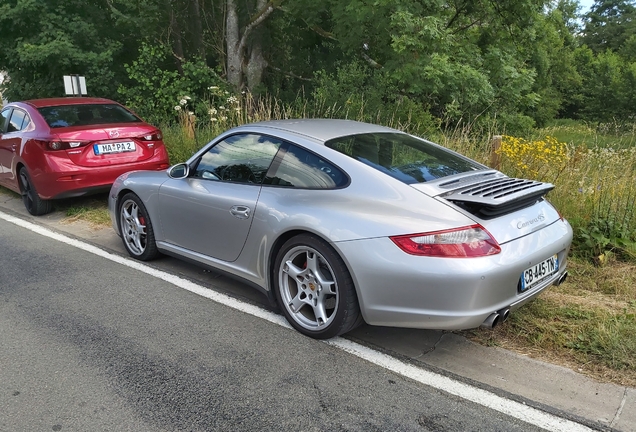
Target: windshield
point(86, 114)
point(403, 157)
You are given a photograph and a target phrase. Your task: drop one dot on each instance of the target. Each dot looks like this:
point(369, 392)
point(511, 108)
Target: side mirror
point(179, 171)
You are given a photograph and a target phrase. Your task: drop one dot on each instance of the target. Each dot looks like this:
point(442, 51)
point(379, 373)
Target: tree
point(464, 59)
point(42, 41)
point(244, 53)
point(557, 80)
point(609, 24)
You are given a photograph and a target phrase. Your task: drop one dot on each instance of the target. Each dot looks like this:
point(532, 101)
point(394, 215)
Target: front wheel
point(136, 228)
point(314, 288)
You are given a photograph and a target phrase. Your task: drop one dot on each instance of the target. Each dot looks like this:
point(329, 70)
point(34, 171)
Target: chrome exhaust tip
point(491, 321)
point(503, 314)
point(562, 279)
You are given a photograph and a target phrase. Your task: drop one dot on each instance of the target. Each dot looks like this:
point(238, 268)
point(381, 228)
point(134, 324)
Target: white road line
point(479, 396)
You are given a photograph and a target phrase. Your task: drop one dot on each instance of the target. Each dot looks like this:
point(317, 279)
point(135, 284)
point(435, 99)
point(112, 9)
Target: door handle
point(13, 147)
point(241, 212)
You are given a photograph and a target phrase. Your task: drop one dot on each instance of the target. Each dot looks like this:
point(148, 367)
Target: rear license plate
point(118, 147)
point(535, 274)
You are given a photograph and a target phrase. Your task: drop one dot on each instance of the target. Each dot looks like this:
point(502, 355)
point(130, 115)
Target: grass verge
point(93, 209)
point(587, 324)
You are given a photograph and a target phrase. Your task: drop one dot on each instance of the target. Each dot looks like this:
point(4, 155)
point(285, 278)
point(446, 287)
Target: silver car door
point(209, 217)
point(211, 211)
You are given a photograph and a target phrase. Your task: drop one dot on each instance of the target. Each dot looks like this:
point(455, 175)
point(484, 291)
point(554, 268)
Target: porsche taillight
point(465, 242)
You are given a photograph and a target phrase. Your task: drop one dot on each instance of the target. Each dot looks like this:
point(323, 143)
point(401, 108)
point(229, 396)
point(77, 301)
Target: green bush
point(155, 87)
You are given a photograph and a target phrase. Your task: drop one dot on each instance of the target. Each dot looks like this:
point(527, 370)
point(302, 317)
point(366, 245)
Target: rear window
point(403, 157)
point(88, 114)
point(301, 169)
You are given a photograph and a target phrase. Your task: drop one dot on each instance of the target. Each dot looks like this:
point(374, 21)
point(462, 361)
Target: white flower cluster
point(183, 101)
point(220, 112)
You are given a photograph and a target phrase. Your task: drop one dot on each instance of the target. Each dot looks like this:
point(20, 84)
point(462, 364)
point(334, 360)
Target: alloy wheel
point(133, 227)
point(308, 288)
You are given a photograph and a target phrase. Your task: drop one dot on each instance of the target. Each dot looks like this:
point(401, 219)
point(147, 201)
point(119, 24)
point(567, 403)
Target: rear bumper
point(400, 290)
point(74, 181)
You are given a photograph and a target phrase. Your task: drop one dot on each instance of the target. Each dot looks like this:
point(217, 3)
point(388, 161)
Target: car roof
point(39, 103)
point(323, 129)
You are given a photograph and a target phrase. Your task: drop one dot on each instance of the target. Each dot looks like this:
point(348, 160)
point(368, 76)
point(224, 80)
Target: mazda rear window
point(404, 157)
point(86, 114)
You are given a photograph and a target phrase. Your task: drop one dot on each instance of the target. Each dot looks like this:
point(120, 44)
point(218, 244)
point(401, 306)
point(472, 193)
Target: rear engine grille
point(499, 196)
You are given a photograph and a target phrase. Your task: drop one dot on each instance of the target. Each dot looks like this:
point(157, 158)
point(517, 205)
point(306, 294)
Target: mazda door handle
point(241, 212)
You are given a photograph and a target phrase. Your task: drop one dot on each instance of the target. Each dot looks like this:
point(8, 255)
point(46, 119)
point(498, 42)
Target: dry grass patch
point(92, 209)
point(587, 324)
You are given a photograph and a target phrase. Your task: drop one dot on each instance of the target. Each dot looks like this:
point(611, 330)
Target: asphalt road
point(89, 344)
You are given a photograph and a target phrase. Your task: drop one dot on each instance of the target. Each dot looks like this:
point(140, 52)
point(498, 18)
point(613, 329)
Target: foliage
point(595, 187)
point(466, 63)
point(614, 134)
point(604, 236)
point(154, 86)
point(609, 25)
point(357, 91)
point(42, 41)
point(605, 218)
point(517, 64)
point(595, 191)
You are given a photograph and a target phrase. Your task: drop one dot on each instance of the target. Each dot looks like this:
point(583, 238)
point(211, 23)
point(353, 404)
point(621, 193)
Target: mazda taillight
point(464, 242)
point(60, 145)
point(154, 136)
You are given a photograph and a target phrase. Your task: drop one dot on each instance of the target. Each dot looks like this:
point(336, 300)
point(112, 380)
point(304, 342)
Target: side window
point(303, 169)
point(19, 120)
point(25, 122)
point(4, 119)
point(243, 158)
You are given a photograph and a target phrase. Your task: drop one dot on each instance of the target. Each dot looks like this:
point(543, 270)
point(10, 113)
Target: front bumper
point(400, 290)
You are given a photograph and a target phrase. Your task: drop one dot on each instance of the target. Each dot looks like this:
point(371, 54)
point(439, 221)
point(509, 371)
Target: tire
point(136, 228)
point(32, 201)
point(314, 288)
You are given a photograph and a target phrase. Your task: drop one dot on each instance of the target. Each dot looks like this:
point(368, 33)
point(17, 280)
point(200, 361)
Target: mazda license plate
point(118, 147)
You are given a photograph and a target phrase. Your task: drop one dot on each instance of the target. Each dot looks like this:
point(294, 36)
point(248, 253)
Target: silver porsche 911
point(340, 222)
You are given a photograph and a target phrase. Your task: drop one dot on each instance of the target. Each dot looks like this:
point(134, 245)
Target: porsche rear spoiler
point(489, 194)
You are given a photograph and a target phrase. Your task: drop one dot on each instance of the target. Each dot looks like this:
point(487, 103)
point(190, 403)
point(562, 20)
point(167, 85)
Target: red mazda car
point(68, 147)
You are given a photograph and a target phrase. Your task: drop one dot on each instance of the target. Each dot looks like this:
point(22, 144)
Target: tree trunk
point(237, 44)
point(198, 28)
point(256, 64)
point(232, 40)
point(175, 32)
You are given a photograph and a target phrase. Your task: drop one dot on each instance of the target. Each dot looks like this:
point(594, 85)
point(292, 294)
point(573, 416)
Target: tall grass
point(182, 140)
point(615, 135)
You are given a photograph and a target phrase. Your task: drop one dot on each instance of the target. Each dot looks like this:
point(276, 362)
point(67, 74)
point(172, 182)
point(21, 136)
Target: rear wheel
point(32, 201)
point(314, 288)
point(136, 228)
